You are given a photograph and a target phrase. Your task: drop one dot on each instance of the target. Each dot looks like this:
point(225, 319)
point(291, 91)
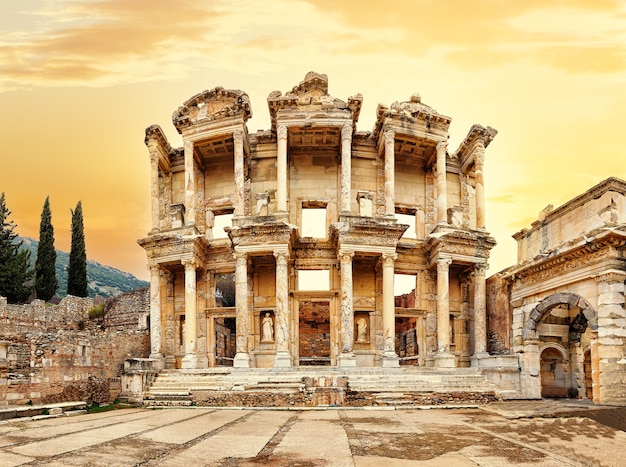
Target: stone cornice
point(610, 184)
point(476, 140)
point(468, 246)
point(311, 97)
point(583, 253)
point(211, 105)
point(409, 117)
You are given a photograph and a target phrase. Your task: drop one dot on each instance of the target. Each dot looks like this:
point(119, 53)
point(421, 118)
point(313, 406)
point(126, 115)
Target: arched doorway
point(563, 325)
point(554, 373)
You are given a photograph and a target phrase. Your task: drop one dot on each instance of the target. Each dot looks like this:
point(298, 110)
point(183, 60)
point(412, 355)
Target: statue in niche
point(361, 330)
point(267, 328)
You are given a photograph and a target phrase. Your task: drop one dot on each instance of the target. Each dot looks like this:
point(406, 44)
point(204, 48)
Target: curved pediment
point(216, 104)
point(311, 97)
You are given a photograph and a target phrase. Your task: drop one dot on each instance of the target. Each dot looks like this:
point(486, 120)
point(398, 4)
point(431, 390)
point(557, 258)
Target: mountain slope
point(102, 280)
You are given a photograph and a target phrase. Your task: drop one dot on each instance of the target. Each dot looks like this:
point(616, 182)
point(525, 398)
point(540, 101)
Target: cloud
point(488, 33)
point(103, 41)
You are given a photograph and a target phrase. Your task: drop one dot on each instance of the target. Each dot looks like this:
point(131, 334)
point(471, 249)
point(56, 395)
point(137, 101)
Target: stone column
point(282, 334)
point(390, 358)
point(479, 163)
point(480, 314)
point(156, 347)
point(242, 357)
point(190, 185)
point(442, 194)
point(239, 176)
point(347, 357)
point(346, 167)
point(281, 170)
point(390, 203)
point(155, 222)
point(190, 359)
point(443, 358)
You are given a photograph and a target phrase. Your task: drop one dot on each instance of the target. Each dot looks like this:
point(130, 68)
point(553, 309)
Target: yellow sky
point(80, 80)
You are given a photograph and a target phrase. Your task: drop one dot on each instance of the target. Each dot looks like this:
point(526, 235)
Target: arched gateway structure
point(561, 308)
point(283, 248)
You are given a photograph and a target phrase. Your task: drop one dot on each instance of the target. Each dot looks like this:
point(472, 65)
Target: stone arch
point(547, 304)
point(555, 346)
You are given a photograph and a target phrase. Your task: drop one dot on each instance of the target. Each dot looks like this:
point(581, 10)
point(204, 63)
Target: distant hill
point(104, 281)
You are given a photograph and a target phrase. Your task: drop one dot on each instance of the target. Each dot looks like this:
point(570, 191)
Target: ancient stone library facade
point(281, 248)
point(312, 244)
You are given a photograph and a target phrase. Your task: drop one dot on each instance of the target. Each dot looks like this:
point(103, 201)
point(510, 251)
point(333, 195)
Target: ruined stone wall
point(123, 311)
point(499, 319)
point(57, 353)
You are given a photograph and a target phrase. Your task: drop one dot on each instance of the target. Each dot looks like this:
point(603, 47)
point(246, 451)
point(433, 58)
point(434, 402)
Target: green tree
point(15, 272)
point(45, 274)
point(77, 270)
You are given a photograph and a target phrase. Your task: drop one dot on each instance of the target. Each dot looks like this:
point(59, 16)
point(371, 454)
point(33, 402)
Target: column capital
point(345, 256)
point(443, 264)
point(442, 147)
point(190, 264)
point(154, 268)
point(346, 132)
point(240, 255)
point(281, 132)
point(390, 136)
point(238, 136)
point(281, 255)
point(479, 156)
point(480, 268)
point(388, 259)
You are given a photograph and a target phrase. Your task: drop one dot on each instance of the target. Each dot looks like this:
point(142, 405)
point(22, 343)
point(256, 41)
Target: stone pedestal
point(391, 360)
point(444, 360)
point(282, 360)
point(347, 360)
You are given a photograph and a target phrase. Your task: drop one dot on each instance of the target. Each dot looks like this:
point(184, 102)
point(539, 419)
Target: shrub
point(96, 311)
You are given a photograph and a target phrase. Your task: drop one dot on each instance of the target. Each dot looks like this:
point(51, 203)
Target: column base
point(445, 360)
point(189, 361)
point(282, 360)
point(241, 360)
point(391, 360)
point(170, 362)
point(477, 357)
point(347, 360)
point(158, 359)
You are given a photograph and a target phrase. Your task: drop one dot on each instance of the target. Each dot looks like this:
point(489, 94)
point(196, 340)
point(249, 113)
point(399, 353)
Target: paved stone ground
point(524, 433)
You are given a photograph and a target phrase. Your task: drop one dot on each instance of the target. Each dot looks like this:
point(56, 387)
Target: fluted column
point(390, 203)
point(390, 358)
point(347, 357)
point(281, 170)
point(480, 311)
point(479, 163)
point(242, 357)
point(283, 357)
point(239, 176)
point(190, 359)
point(190, 185)
point(156, 347)
point(155, 218)
point(443, 358)
point(346, 167)
point(442, 194)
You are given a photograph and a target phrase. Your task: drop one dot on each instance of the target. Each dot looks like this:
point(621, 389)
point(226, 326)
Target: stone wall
point(52, 353)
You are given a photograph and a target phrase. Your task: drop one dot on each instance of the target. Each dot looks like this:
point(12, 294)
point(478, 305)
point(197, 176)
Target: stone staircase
point(319, 386)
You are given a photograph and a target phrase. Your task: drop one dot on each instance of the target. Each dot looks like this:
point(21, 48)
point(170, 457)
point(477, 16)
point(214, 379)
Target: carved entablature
point(310, 100)
point(216, 104)
point(369, 231)
point(412, 114)
point(460, 245)
point(472, 149)
point(539, 270)
point(171, 248)
point(325, 251)
point(262, 237)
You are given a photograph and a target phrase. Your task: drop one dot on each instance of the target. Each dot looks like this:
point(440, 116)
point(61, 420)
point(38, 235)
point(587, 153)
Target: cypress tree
point(15, 272)
point(77, 271)
point(45, 272)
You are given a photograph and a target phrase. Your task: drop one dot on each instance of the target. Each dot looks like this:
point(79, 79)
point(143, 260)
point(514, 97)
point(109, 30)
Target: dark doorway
point(314, 335)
